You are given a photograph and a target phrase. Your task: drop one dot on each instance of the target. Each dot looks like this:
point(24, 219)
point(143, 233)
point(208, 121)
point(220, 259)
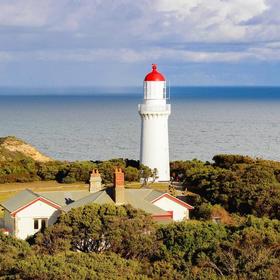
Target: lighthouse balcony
point(152, 108)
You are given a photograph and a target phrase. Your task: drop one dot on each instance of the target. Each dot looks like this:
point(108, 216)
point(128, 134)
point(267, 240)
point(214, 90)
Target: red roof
point(154, 75)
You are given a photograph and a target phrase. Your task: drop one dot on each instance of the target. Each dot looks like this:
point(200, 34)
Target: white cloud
point(47, 14)
point(211, 20)
point(136, 31)
point(217, 11)
point(125, 55)
point(198, 20)
point(24, 13)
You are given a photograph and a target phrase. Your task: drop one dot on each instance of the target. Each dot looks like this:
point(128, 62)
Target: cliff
point(13, 149)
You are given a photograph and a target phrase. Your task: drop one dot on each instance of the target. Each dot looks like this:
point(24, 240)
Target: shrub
point(100, 228)
point(131, 174)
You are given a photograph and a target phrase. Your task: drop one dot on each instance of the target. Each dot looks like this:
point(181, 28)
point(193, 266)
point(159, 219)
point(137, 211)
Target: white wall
point(154, 145)
point(179, 212)
point(25, 218)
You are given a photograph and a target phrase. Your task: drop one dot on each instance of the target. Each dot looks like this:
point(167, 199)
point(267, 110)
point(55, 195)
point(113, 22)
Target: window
point(40, 223)
point(43, 223)
point(36, 224)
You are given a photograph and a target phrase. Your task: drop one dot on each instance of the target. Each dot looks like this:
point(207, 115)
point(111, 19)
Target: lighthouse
point(154, 112)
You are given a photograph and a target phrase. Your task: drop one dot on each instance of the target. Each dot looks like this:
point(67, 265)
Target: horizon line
point(134, 87)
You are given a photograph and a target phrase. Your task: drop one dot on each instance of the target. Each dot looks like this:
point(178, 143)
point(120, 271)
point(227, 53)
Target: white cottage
point(28, 212)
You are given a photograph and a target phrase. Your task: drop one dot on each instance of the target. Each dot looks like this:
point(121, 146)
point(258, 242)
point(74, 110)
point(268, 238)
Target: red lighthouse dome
point(154, 76)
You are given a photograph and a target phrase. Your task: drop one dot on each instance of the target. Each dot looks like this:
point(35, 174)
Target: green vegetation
point(119, 242)
point(240, 184)
point(28, 170)
point(20, 162)
point(100, 241)
point(101, 228)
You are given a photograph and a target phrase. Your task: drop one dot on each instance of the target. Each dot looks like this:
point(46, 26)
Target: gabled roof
point(153, 194)
point(100, 197)
point(134, 197)
point(20, 199)
point(56, 199)
point(137, 199)
point(64, 198)
point(175, 199)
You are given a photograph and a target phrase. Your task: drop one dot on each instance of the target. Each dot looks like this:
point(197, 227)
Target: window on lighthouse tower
point(164, 91)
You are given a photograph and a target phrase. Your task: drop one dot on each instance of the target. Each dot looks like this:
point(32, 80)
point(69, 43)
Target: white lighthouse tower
point(154, 113)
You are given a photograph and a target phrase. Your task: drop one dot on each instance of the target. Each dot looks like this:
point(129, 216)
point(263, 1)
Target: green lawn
point(155, 186)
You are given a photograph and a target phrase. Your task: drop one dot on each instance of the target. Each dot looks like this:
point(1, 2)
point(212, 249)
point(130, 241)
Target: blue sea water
point(98, 124)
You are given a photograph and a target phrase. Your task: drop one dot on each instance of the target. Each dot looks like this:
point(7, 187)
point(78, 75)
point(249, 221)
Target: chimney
point(119, 186)
point(95, 181)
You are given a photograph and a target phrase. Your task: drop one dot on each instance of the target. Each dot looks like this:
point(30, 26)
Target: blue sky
point(58, 43)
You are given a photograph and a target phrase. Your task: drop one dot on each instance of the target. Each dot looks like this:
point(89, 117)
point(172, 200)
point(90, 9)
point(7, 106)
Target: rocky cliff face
point(12, 149)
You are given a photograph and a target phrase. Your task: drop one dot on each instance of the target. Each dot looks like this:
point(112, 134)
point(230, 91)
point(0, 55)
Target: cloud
point(217, 11)
point(49, 15)
point(210, 21)
point(137, 32)
point(145, 21)
point(25, 13)
point(267, 52)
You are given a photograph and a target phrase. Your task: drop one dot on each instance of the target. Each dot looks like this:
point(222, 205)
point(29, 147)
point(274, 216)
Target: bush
point(132, 174)
point(187, 241)
point(226, 161)
point(11, 251)
point(100, 228)
point(78, 266)
point(182, 250)
point(239, 184)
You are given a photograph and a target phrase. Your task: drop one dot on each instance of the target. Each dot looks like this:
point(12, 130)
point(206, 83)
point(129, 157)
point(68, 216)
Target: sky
point(65, 43)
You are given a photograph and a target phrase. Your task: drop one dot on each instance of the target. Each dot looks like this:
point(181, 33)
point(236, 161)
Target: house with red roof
point(28, 212)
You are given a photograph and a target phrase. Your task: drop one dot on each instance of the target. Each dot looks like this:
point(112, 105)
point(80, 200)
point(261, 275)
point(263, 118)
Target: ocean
point(99, 124)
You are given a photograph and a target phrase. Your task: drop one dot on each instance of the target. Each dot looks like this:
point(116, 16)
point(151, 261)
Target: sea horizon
point(101, 125)
point(219, 91)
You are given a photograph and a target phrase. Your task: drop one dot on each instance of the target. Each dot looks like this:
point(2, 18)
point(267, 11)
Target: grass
point(41, 186)
point(155, 186)
point(160, 186)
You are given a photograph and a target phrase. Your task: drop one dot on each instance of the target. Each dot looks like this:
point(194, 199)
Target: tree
point(100, 228)
point(186, 241)
point(11, 251)
point(239, 184)
point(107, 169)
point(78, 266)
point(253, 250)
point(131, 174)
point(147, 175)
